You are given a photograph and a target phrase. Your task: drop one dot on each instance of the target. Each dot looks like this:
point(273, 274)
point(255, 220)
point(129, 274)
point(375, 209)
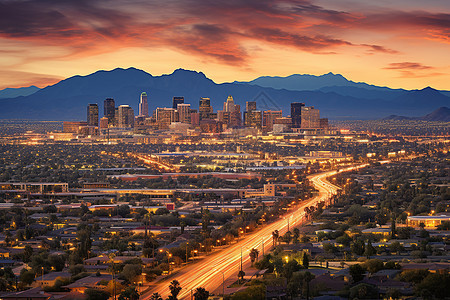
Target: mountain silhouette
point(67, 100)
point(16, 92)
point(442, 114)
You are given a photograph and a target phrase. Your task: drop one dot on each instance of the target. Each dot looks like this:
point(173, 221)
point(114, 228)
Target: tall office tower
point(125, 116)
point(205, 109)
point(176, 101)
point(269, 118)
point(310, 118)
point(253, 118)
point(223, 117)
point(109, 109)
point(143, 105)
point(92, 115)
point(228, 106)
point(184, 113)
point(234, 112)
point(235, 116)
point(164, 116)
point(130, 117)
point(296, 114)
point(250, 106)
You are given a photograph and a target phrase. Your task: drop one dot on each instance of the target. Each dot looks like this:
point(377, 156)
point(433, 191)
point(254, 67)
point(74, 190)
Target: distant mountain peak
point(429, 89)
point(442, 114)
point(181, 71)
point(17, 92)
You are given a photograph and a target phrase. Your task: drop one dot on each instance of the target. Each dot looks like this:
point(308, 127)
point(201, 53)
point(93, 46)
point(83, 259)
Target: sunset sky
point(400, 43)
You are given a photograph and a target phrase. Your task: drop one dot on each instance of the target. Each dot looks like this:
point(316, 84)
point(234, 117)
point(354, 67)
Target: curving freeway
point(209, 272)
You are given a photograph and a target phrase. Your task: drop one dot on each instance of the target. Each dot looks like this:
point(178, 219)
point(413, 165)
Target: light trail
point(207, 273)
point(149, 160)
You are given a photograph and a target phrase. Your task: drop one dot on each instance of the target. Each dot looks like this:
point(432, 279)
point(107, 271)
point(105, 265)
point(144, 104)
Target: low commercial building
point(428, 221)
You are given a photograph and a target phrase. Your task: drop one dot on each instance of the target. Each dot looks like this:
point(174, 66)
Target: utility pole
point(223, 284)
point(187, 243)
point(241, 258)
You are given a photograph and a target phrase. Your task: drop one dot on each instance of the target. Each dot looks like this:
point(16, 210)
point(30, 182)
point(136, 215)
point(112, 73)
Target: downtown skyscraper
point(109, 109)
point(92, 115)
point(143, 105)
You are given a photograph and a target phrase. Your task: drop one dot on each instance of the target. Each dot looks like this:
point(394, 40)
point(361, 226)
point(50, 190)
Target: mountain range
point(442, 114)
point(16, 92)
point(333, 94)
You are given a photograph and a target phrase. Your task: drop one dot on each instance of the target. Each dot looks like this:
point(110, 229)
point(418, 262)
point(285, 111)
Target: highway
point(208, 272)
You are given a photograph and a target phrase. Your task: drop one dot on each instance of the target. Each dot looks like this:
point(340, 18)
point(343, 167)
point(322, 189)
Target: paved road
point(208, 272)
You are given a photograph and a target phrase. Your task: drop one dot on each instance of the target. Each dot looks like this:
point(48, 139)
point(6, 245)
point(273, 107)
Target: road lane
point(207, 273)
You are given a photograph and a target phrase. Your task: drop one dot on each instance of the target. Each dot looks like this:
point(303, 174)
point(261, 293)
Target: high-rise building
point(234, 112)
point(310, 118)
point(109, 109)
point(164, 116)
point(205, 109)
point(253, 118)
point(143, 105)
point(296, 114)
point(92, 115)
point(269, 117)
point(250, 106)
point(184, 113)
point(228, 106)
point(125, 116)
point(130, 117)
point(176, 101)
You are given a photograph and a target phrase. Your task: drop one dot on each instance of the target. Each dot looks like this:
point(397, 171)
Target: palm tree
point(175, 289)
point(201, 294)
point(253, 255)
point(287, 237)
point(275, 236)
point(156, 296)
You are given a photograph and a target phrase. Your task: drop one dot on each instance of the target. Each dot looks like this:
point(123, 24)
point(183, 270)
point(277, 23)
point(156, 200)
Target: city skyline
point(402, 44)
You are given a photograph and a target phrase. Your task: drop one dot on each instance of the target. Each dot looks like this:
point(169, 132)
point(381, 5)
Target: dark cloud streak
point(210, 28)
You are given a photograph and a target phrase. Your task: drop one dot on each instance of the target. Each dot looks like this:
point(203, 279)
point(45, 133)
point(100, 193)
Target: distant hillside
point(16, 92)
point(67, 99)
point(306, 82)
point(442, 114)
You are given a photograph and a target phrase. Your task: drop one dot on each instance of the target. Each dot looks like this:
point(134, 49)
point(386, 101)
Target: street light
point(168, 255)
